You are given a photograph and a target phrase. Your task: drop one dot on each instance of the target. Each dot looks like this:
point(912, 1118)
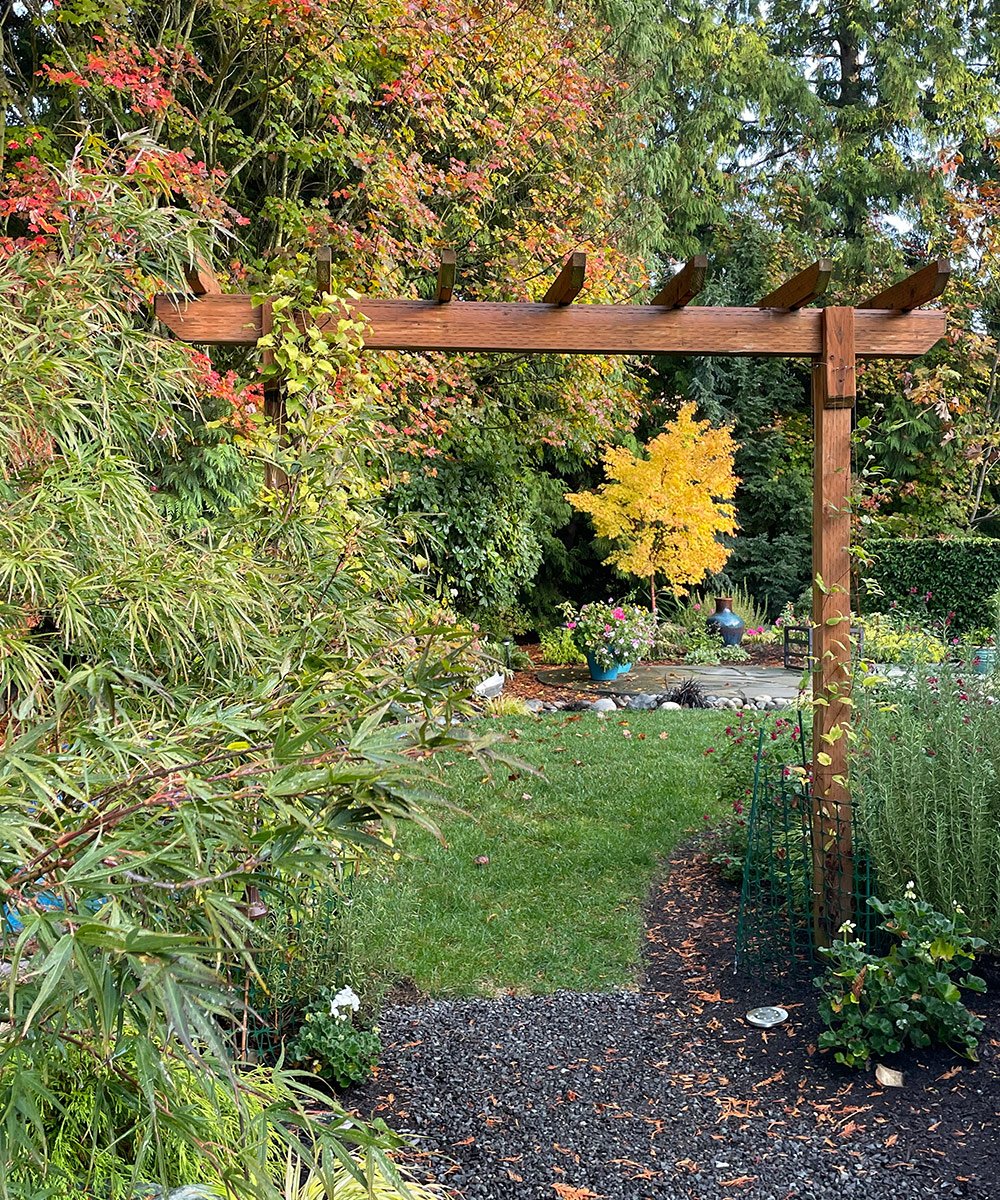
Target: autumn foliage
point(666, 509)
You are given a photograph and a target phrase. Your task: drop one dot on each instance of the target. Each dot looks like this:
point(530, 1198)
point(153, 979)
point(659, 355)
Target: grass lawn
point(572, 856)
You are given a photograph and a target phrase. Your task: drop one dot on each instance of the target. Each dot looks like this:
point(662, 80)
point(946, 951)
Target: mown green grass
point(572, 856)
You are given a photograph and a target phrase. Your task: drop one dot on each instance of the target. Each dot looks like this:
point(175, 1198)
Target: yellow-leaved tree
point(667, 509)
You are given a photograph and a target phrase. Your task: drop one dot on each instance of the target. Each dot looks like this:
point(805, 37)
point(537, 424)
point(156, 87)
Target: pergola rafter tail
point(780, 326)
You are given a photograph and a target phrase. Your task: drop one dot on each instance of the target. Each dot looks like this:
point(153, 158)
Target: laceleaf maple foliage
point(667, 508)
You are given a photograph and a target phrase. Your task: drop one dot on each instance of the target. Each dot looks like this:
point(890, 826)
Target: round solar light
point(766, 1017)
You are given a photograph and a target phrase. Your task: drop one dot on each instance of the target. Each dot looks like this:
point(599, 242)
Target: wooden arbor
point(888, 325)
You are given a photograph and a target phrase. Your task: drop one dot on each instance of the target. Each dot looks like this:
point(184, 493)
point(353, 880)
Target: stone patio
point(730, 682)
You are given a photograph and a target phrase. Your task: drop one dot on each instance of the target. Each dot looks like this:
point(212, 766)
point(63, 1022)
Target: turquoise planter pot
point(624, 668)
point(598, 673)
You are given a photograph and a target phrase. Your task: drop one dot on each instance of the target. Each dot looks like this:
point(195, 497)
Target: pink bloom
point(619, 614)
point(570, 624)
point(697, 607)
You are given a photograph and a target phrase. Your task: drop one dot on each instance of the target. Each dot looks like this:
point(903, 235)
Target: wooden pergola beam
point(472, 326)
point(569, 281)
point(802, 289)
point(447, 267)
point(921, 287)
point(684, 285)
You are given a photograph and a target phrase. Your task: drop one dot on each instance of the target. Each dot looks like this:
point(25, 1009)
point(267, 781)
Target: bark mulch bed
point(668, 1092)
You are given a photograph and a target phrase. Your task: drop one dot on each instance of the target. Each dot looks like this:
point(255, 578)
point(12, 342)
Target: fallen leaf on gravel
point(565, 1192)
point(949, 1074)
point(887, 1077)
point(739, 1181)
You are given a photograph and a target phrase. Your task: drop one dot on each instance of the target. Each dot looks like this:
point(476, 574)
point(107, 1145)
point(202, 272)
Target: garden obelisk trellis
point(888, 325)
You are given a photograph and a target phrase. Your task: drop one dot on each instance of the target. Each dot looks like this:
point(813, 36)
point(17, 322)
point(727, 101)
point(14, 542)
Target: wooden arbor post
point(779, 326)
point(833, 392)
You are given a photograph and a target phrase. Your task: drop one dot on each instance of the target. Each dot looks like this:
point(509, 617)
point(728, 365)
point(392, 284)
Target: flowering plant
point(330, 1045)
point(912, 995)
point(612, 633)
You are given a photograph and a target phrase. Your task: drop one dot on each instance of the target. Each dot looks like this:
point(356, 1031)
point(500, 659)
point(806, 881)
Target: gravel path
point(669, 1093)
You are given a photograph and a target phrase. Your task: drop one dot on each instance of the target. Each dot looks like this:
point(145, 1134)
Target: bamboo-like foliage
point(195, 712)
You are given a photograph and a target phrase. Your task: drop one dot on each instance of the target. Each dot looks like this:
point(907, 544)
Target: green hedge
point(961, 574)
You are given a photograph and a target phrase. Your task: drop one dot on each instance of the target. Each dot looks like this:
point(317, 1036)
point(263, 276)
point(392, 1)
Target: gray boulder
point(604, 704)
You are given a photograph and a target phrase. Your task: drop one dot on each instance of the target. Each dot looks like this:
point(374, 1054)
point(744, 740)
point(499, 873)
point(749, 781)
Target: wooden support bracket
point(921, 287)
point(682, 288)
point(569, 281)
point(447, 266)
point(802, 289)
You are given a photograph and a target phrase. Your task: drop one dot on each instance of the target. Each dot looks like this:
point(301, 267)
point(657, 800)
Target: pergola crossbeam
point(471, 326)
point(802, 289)
point(684, 285)
point(569, 281)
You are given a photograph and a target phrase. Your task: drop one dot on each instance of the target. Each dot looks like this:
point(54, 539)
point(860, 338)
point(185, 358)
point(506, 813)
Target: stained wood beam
point(684, 285)
point(200, 278)
point(802, 289)
point(324, 270)
point(569, 280)
point(921, 287)
point(447, 266)
point(576, 329)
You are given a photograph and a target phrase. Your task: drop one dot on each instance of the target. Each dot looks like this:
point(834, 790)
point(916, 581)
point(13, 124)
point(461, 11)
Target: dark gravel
point(669, 1093)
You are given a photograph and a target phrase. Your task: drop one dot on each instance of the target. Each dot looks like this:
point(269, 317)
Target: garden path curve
point(668, 1094)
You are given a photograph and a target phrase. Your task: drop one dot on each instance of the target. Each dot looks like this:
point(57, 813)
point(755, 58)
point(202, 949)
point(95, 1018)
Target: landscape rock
point(669, 704)
point(604, 704)
point(642, 702)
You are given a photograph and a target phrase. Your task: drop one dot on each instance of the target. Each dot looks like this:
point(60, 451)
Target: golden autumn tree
point(666, 510)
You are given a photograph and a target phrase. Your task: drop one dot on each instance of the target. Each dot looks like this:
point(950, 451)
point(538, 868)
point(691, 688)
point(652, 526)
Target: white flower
point(345, 998)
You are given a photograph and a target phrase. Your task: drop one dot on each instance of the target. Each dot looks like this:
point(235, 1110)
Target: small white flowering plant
point(329, 1044)
point(910, 996)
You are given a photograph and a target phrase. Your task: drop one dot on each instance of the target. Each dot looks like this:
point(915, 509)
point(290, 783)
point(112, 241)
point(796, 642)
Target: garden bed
point(668, 1092)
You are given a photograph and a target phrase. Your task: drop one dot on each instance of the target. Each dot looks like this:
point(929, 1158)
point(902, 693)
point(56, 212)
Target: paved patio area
point(723, 681)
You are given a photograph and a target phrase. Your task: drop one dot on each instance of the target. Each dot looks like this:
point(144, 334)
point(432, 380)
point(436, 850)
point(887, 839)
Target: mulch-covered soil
point(668, 1092)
